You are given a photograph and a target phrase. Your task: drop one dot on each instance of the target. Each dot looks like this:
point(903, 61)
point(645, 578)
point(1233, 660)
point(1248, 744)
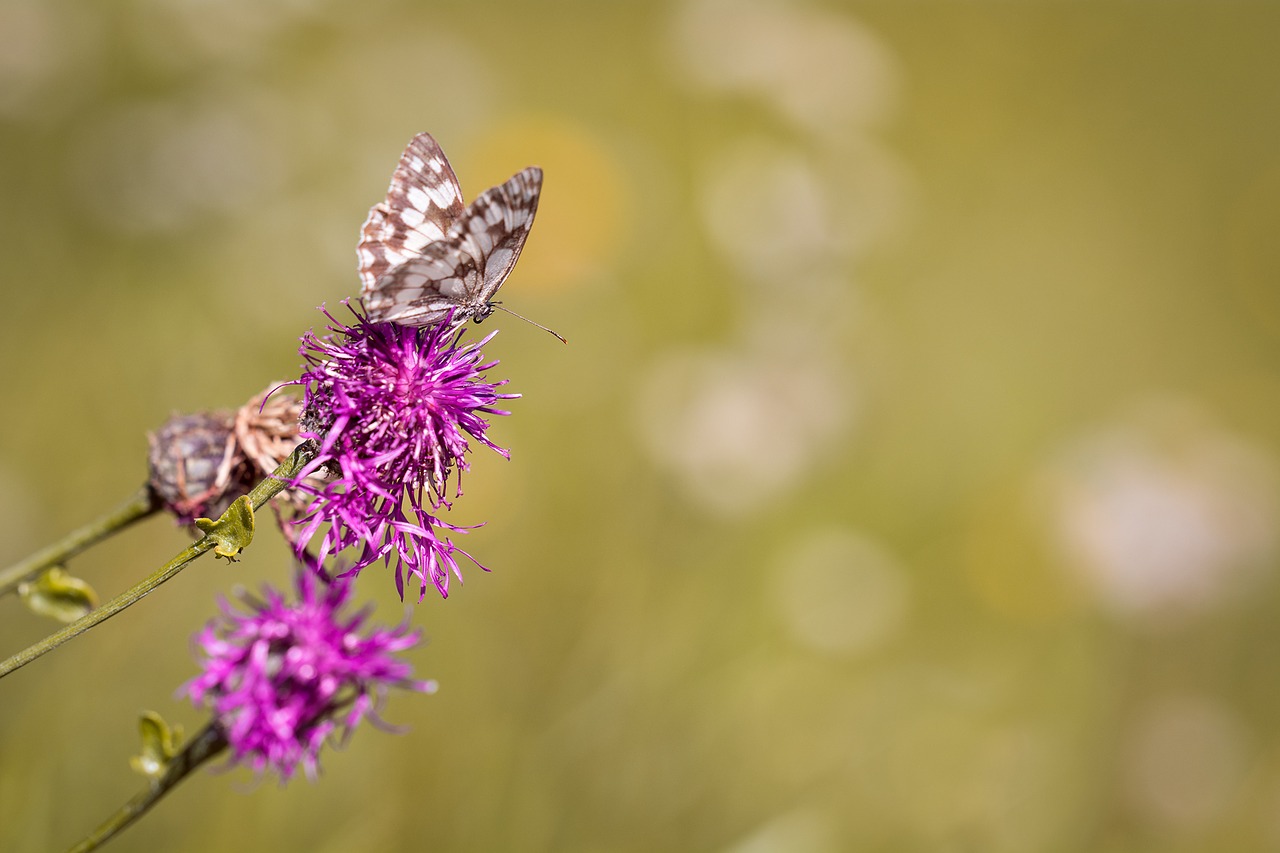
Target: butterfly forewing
point(463, 270)
point(423, 202)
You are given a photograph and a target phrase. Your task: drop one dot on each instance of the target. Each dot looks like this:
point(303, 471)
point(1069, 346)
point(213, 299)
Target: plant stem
point(207, 743)
point(137, 508)
point(263, 492)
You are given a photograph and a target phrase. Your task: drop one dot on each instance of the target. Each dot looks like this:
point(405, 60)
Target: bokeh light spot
point(1185, 761)
point(1164, 512)
point(737, 431)
point(821, 69)
point(840, 593)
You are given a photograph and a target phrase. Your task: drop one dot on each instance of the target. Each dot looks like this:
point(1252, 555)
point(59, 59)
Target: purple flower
point(391, 408)
point(283, 676)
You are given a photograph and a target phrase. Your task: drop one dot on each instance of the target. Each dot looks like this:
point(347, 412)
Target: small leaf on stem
point(58, 595)
point(233, 531)
point(159, 745)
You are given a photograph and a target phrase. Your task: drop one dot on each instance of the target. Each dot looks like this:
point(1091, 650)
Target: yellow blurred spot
point(1006, 563)
point(581, 214)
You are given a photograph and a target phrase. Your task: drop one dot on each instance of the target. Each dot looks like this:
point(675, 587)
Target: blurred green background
point(909, 481)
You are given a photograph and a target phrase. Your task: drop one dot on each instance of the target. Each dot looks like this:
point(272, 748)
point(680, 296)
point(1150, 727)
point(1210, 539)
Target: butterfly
point(422, 254)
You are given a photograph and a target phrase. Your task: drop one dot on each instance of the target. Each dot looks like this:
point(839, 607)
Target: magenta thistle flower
point(391, 408)
point(281, 677)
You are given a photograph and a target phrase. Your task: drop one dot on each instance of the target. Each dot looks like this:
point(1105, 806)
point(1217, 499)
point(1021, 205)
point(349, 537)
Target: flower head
point(282, 676)
point(391, 408)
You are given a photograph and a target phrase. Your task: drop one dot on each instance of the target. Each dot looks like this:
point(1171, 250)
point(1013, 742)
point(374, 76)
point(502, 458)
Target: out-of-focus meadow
point(910, 481)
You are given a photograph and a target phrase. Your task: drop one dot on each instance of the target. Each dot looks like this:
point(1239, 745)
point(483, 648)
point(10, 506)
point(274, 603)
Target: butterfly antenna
point(527, 320)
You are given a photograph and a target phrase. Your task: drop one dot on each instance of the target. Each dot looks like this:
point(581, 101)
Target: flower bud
point(196, 467)
point(266, 430)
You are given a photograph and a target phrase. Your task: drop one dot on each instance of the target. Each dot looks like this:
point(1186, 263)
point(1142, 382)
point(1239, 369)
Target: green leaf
point(159, 745)
point(58, 595)
point(233, 531)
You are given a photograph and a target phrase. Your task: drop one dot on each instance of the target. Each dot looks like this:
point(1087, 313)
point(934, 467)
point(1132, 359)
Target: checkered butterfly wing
point(463, 271)
point(422, 204)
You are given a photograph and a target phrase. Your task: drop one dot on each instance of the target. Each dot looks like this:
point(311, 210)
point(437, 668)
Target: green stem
point(137, 508)
point(207, 743)
point(263, 492)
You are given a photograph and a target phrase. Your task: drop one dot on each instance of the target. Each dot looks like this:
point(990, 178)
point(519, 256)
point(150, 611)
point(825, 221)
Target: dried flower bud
point(200, 463)
point(266, 428)
point(196, 467)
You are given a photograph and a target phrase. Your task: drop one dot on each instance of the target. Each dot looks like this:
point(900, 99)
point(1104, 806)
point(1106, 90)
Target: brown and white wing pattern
point(423, 202)
point(422, 291)
point(462, 271)
point(495, 228)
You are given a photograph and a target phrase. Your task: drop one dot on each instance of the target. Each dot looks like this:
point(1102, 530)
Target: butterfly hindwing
point(495, 227)
point(423, 202)
point(422, 291)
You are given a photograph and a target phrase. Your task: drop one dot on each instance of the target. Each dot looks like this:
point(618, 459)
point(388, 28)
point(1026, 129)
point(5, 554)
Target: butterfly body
point(423, 255)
